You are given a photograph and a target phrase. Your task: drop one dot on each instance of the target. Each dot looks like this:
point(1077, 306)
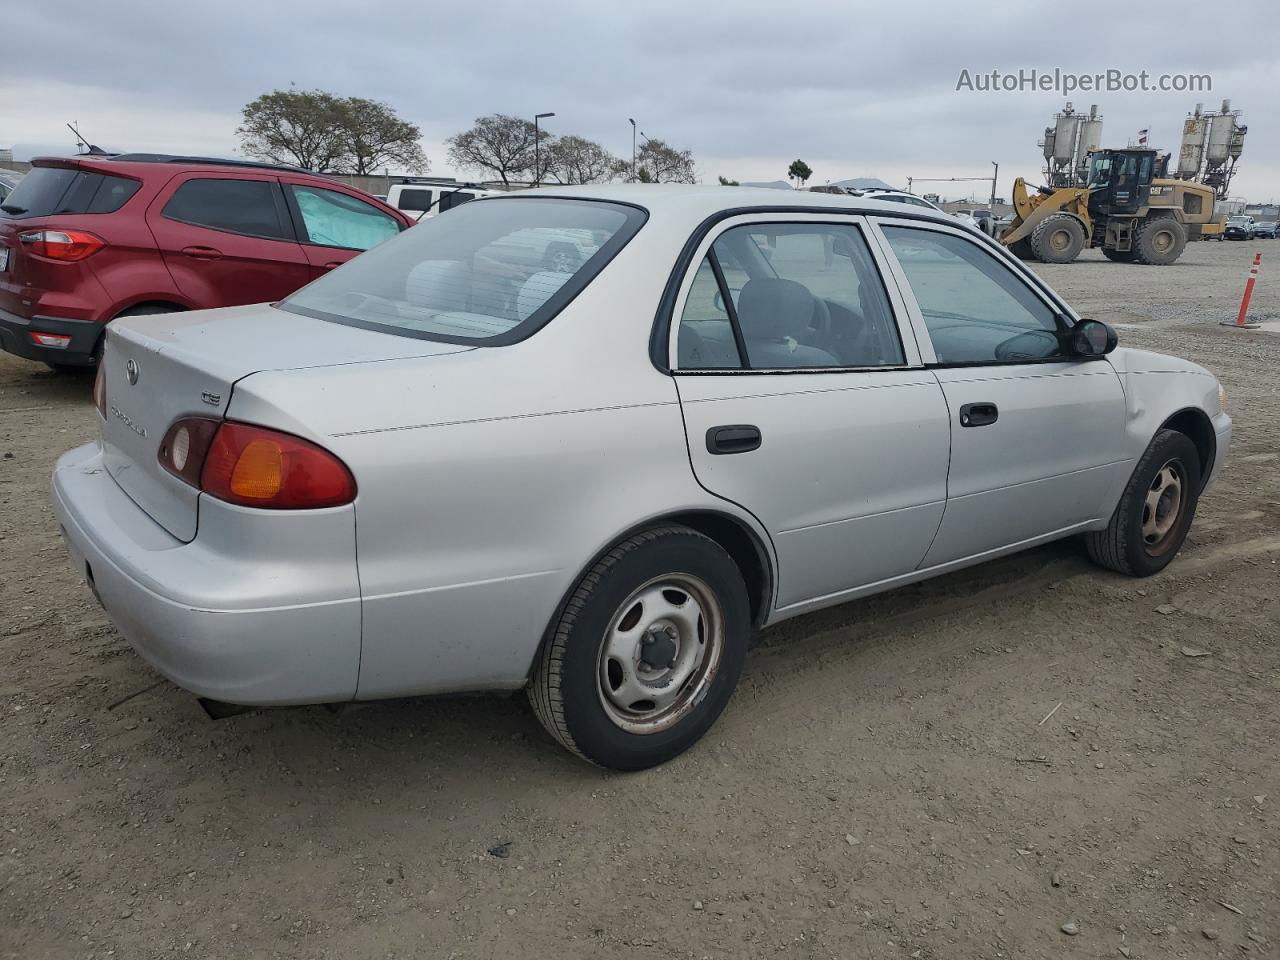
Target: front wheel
point(1155, 512)
point(647, 651)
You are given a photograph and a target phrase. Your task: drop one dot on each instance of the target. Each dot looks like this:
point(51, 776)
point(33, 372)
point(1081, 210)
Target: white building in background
point(6, 156)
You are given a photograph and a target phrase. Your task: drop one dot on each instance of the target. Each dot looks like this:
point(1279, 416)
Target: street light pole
point(537, 163)
point(993, 186)
point(633, 148)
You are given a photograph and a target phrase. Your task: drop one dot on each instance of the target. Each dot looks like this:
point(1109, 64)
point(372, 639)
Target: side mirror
point(1092, 338)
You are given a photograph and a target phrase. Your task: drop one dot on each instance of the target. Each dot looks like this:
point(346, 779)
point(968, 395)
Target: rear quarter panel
point(488, 479)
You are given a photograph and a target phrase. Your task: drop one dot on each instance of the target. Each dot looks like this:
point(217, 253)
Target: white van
point(425, 199)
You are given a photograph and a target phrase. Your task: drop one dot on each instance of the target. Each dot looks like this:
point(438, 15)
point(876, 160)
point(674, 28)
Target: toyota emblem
point(131, 371)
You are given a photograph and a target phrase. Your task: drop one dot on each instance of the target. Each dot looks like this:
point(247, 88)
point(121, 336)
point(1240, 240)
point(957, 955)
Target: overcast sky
point(854, 89)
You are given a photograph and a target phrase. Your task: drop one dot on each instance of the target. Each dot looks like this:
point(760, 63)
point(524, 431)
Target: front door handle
point(202, 253)
point(978, 414)
point(733, 438)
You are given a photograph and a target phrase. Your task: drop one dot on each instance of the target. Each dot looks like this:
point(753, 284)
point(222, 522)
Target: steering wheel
point(1028, 345)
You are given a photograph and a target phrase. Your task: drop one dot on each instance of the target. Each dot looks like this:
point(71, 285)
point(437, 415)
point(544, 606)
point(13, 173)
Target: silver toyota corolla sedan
point(589, 441)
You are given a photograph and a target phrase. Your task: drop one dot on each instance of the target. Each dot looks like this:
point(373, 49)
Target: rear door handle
point(978, 414)
point(733, 438)
point(202, 253)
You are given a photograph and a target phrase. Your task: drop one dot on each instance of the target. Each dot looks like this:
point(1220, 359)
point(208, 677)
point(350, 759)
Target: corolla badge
point(131, 370)
point(124, 418)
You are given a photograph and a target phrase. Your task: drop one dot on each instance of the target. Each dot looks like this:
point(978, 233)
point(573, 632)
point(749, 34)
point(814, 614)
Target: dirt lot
point(894, 777)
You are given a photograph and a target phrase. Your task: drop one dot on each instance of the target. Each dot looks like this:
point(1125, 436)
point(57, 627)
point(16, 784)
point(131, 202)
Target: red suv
point(86, 239)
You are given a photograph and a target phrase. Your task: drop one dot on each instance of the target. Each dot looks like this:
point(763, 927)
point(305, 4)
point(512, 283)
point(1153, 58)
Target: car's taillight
point(66, 245)
point(100, 391)
point(254, 466)
point(184, 447)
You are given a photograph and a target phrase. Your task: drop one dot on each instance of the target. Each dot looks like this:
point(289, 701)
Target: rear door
point(1037, 435)
point(227, 238)
point(333, 225)
point(805, 404)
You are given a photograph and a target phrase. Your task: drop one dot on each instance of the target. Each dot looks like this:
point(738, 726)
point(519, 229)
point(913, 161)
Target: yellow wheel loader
point(1133, 215)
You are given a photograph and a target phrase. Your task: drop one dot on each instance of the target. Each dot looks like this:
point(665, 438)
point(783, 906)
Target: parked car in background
point(901, 196)
point(985, 220)
point(428, 198)
point(1240, 227)
point(8, 181)
point(1266, 230)
point(703, 428)
point(86, 239)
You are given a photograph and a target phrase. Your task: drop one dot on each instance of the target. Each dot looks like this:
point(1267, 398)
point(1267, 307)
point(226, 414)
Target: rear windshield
point(492, 272)
point(47, 191)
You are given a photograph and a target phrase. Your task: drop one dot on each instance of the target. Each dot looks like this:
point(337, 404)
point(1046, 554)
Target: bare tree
point(298, 127)
point(660, 163)
point(500, 144)
point(578, 160)
point(377, 137)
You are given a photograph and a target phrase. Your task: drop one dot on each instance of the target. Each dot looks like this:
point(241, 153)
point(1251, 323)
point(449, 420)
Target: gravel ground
point(1029, 759)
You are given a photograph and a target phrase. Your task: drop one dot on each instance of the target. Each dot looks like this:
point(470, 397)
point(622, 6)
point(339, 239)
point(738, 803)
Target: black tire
point(1119, 256)
point(1159, 242)
point(1058, 239)
point(1124, 546)
point(1022, 249)
point(571, 673)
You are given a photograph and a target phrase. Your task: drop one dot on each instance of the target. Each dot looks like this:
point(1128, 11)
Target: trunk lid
point(158, 369)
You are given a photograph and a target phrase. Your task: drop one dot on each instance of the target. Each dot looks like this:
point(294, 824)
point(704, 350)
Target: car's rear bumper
point(77, 351)
point(246, 627)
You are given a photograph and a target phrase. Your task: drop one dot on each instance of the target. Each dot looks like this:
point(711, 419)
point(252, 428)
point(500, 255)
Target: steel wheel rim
point(1060, 239)
point(1162, 241)
point(681, 620)
point(1163, 506)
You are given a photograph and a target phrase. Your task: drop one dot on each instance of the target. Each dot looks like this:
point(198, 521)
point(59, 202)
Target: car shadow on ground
point(451, 739)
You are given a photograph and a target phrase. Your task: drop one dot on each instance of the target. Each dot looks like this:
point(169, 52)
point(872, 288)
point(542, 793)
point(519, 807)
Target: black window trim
point(745, 365)
point(300, 223)
point(277, 196)
point(636, 217)
point(660, 334)
point(1061, 315)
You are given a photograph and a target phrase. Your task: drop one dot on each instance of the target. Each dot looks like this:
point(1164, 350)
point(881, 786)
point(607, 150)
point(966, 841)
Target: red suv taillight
point(66, 245)
point(254, 466)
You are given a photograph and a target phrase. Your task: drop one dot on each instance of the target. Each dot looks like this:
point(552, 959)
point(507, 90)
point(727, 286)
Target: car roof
point(141, 164)
point(705, 200)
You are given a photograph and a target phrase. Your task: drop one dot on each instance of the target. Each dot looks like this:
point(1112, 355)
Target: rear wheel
point(1159, 242)
point(647, 652)
point(1155, 512)
point(1058, 239)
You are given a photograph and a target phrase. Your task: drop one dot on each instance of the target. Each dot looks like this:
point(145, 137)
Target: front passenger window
point(976, 309)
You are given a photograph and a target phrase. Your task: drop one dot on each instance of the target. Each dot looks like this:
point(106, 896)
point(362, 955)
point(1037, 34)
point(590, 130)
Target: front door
point(804, 403)
point(1037, 436)
point(334, 226)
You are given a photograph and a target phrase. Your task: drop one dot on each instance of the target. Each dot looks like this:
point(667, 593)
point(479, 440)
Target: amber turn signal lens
point(257, 474)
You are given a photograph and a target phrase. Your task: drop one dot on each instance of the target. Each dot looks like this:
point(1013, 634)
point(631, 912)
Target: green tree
point(321, 131)
point(726, 182)
point(499, 144)
point(799, 171)
point(575, 159)
point(303, 128)
point(659, 162)
point(377, 138)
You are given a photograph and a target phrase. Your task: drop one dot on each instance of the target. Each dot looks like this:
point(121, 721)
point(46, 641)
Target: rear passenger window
point(792, 295)
point(454, 199)
point(238, 206)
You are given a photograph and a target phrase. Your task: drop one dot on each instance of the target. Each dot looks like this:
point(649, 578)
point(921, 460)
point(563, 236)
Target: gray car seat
point(776, 315)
